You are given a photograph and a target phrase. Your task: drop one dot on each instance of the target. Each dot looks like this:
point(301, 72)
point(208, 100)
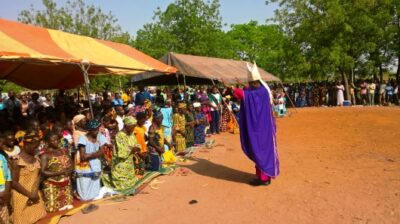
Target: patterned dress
point(180, 125)
point(28, 178)
point(57, 190)
point(189, 130)
point(199, 129)
point(123, 169)
point(157, 136)
point(225, 118)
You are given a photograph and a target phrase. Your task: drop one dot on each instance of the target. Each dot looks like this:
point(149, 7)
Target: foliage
point(186, 26)
point(263, 44)
point(108, 83)
point(6, 86)
point(341, 37)
point(311, 39)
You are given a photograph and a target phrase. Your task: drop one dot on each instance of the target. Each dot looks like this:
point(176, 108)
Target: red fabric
point(261, 175)
point(238, 93)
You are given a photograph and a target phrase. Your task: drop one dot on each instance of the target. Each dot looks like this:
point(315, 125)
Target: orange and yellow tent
point(39, 58)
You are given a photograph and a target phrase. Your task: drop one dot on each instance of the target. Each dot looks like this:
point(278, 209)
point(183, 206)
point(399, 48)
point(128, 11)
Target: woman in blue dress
point(200, 125)
point(88, 164)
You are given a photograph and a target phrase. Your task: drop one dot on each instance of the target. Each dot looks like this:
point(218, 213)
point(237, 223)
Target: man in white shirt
point(120, 117)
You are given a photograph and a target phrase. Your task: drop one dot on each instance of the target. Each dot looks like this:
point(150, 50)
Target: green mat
point(148, 176)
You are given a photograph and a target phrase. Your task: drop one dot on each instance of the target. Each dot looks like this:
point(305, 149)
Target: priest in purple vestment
point(258, 129)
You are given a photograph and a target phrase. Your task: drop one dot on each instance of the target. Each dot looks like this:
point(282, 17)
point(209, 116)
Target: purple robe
point(258, 130)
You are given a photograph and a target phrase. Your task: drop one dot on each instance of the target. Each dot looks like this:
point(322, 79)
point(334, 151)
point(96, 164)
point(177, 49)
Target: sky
point(133, 14)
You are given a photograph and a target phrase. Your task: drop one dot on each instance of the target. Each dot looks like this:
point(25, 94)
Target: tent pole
point(184, 81)
point(79, 97)
point(85, 68)
point(291, 102)
point(177, 80)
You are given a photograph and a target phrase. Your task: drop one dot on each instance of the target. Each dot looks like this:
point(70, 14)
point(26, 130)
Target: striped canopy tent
point(39, 58)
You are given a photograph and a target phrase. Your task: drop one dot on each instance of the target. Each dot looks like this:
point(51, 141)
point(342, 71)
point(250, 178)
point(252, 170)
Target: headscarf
point(129, 120)
point(77, 119)
point(182, 105)
point(31, 136)
point(93, 125)
point(196, 105)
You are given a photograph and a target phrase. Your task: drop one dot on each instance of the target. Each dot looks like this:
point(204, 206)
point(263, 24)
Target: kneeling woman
point(123, 169)
point(88, 164)
point(56, 168)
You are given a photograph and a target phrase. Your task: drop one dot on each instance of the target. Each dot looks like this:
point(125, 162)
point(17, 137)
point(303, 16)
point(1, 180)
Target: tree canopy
point(186, 26)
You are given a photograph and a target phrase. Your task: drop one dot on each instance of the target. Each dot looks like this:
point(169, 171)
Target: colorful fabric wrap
point(129, 121)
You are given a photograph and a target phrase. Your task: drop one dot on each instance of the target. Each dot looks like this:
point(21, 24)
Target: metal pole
point(288, 96)
point(85, 68)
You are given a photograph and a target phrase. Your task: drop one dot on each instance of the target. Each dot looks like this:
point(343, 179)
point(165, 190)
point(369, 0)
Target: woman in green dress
point(189, 126)
point(123, 170)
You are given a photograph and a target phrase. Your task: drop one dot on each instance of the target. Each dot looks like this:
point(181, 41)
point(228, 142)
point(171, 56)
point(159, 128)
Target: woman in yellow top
point(156, 142)
point(180, 128)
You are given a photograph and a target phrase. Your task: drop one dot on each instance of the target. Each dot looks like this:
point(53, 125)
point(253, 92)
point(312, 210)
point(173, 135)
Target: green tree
point(264, 44)
point(78, 18)
point(186, 26)
point(338, 36)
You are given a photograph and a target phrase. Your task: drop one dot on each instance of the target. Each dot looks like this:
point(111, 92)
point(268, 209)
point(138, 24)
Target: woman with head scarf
point(200, 122)
point(180, 128)
point(57, 167)
point(226, 114)
point(156, 142)
point(123, 169)
point(189, 125)
point(26, 201)
point(78, 128)
point(88, 164)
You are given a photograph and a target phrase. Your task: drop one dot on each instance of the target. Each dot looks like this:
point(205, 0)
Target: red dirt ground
point(338, 165)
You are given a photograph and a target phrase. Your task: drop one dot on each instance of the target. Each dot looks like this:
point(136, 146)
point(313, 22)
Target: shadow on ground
point(207, 168)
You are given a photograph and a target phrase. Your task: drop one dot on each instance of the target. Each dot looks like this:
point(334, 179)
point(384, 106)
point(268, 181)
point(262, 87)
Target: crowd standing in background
point(361, 92)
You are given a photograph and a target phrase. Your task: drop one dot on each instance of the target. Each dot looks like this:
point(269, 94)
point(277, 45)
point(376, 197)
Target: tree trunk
point(380, 73)
point(346, 85)
point(398, 69)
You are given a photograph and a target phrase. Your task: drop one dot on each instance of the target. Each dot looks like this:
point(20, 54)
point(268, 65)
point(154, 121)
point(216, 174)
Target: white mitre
point(254, 75)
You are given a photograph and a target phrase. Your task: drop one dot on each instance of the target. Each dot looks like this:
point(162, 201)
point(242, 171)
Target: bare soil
point(338, 165)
